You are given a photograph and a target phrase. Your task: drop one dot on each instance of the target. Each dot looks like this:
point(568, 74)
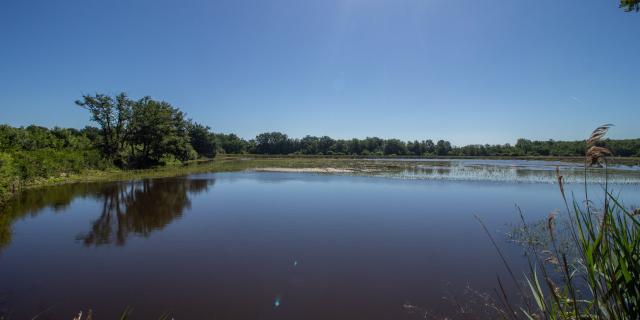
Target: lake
point(266, 245)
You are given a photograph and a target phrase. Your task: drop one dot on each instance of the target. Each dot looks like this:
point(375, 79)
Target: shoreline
point(259, 163)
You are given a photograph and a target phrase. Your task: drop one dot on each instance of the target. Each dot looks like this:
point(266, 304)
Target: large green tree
point(157, 129)
point(273, 143)
point(443, 148)
point(395, 147)
point(112, 115)
point(231, 143)
point(202, 140)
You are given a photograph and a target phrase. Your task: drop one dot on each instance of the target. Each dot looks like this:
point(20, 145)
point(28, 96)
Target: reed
point(600, 279)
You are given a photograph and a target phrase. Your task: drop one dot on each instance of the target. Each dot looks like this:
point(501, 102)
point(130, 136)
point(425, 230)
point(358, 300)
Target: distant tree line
point(146, 132)
point(281, 144)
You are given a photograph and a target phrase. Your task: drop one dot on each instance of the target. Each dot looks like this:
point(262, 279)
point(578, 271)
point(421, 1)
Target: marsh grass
point(589, 271)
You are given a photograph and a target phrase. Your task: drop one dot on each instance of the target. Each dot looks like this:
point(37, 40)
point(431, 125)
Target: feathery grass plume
point(596, 155)
point(598, 133)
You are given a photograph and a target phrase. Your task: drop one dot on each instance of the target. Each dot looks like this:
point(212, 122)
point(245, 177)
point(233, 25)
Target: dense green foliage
point(38, 153)
point(231, 143)
point(280, 143)
point(145, 132)
point(130, 134)
point(630, 5)
point(156, 130)
point(202, 140)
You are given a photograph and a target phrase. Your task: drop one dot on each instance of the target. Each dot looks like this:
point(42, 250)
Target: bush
point(8, 176)
point(47, 163)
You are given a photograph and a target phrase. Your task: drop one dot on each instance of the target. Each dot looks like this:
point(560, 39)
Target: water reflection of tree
point(33, 201)
point(126, 208)
point(140, 208)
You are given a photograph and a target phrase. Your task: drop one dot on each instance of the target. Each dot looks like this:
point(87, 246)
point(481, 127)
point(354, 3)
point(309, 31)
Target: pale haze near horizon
point(464, 71)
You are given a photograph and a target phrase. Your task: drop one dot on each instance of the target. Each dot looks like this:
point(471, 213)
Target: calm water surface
point(252, 245)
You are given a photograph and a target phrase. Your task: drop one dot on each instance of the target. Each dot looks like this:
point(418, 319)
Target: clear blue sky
point(467, 71)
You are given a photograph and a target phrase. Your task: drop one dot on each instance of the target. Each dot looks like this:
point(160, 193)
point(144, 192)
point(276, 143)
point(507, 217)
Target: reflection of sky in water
point(265, 245)
point(509, 171)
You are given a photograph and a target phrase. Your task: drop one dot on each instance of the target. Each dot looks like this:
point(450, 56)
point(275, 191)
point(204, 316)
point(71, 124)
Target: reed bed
point(594, 272)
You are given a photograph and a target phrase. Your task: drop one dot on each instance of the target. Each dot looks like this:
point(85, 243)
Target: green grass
point(608, 265)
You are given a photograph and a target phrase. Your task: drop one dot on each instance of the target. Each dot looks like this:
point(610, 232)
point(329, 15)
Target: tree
point(309, 145)
point(395, 146)
point(443, 148)
point(324, 144)
point(524, 146)
point(158, 129)
point(231, 143)
point(339, 147)
point(630, 5)
point(374, 145)
point(429, 146)
point(273, 143)
point(202, 140)
point(112, 115)
point(355, 146)
point(92, 133)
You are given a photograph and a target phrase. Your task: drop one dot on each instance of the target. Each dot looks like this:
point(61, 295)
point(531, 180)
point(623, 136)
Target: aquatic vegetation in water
point(595, 274)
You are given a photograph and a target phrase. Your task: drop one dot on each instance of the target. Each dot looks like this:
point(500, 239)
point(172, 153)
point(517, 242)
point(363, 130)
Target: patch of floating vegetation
point(525, 171)
point(526, 174)
point(511, 171)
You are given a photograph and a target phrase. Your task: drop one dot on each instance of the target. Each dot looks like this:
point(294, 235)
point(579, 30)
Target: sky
point(465, 71)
